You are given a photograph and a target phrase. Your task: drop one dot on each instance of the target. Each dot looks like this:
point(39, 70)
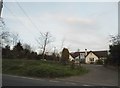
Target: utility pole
point(1, 6)
point(1, 23)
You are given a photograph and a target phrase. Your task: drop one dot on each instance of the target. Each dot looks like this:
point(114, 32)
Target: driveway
point(97, 76)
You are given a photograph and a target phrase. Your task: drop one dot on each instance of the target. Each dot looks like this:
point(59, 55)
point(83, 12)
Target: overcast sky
point(82, 25)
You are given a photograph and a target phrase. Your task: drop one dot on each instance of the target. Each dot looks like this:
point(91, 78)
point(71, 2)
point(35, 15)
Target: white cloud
point(80, 21)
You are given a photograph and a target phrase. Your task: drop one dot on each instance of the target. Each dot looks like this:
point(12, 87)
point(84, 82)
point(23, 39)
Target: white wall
point(82, 55)
point(70, 57)
point(90, 55)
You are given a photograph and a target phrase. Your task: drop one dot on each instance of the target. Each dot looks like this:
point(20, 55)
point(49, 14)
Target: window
point(91, 59)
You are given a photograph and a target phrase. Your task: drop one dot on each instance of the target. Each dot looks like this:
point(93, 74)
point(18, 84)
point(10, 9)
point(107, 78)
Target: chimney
point(85, 52)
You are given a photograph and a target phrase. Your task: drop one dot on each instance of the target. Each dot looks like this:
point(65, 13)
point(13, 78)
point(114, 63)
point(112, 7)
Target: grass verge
point(38, 68)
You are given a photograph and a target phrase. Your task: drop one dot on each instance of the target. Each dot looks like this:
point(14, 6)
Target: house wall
point(90, 55)
point(77, 58)
point(82, 55)
point(71, 58)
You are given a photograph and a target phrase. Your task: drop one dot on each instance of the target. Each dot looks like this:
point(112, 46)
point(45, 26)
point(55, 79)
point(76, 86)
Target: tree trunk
point(44, 47)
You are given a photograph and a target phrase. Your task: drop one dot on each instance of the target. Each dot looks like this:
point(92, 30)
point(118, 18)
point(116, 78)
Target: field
point(38, 68)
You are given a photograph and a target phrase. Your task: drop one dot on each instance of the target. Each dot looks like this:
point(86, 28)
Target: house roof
point(75, 54)
point(97, 53)
point(100, 53)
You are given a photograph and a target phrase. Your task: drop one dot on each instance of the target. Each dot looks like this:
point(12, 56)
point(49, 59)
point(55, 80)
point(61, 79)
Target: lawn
point(38, 68)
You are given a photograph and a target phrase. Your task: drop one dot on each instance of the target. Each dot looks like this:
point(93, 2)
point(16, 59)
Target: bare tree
point(115, 40)
point(15, 38)
point(4, 33)
point(43, 40)
point(62, 43)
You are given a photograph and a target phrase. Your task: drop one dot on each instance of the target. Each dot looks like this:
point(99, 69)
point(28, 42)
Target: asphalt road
point(9, 80)
point(98, 76)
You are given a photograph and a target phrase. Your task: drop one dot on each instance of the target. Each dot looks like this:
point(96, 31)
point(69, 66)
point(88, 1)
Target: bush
point(100, 62)
point(91, 62)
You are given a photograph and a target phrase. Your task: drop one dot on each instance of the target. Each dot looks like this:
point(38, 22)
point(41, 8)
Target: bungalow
point(93, 56)
point(89, 56)
point(78, 56)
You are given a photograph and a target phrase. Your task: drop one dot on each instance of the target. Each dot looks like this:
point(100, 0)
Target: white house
point(78, 56)
point(89, 56)
point(93, 56)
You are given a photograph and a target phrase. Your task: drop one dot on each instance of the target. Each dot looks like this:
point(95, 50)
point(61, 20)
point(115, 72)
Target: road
point(98, 76)
point(9, 80)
